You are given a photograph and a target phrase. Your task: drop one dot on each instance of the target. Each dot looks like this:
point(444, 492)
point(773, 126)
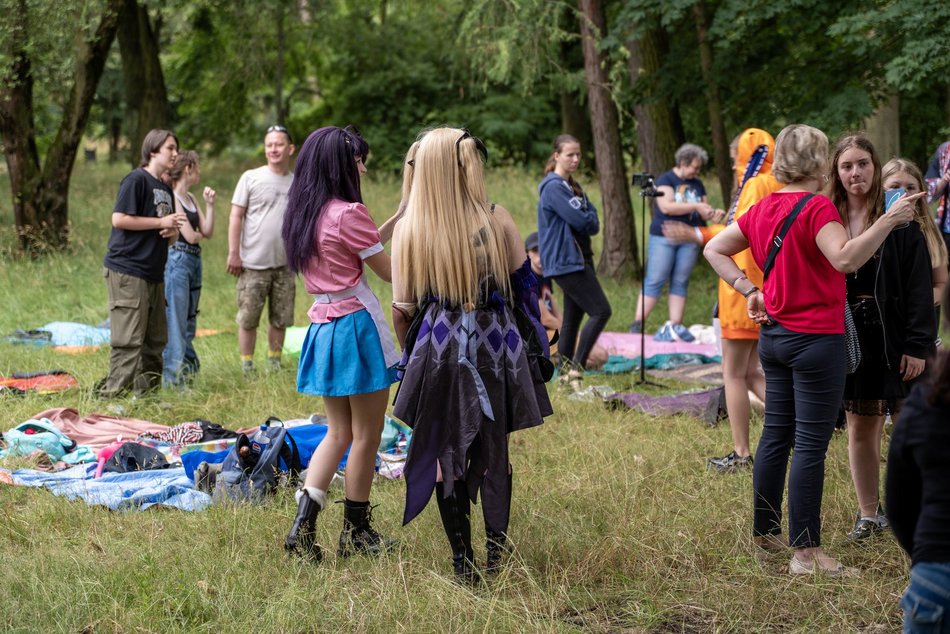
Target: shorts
point(276, 287)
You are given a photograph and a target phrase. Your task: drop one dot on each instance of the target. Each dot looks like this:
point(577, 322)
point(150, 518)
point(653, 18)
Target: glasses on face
point(478, 146)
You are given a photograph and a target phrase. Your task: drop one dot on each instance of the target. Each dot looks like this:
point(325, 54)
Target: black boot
point(300, 540)
point(497, 546)
point(455, 511)
point(358, 535)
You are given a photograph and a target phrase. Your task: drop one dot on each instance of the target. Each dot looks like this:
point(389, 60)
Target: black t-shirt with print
point(140, 253)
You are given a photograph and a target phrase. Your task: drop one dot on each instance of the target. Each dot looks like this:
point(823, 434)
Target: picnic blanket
point(689, 403)
point(98, 430)
point(46, 382)
point(625, 344)
point(137, 490)
point(617, 364)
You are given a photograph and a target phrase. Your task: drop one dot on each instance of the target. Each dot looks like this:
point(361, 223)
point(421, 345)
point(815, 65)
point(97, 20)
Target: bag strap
point(777, 241)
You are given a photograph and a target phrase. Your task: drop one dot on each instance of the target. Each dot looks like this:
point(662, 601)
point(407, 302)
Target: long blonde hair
point(450, 243)
point(935, 244)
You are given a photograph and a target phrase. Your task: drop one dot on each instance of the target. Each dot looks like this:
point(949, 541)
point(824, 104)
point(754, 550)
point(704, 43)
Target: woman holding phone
point(891, 297)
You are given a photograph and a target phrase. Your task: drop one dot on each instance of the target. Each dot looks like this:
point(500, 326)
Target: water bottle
point(260, 441)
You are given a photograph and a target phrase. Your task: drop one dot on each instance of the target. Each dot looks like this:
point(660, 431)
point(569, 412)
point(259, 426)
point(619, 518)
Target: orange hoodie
point(733, 317)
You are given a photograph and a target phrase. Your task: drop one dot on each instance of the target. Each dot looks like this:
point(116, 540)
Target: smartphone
point(891, 196)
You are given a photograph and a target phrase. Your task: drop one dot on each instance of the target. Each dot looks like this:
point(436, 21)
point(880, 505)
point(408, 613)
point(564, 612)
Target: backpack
point(253, 468)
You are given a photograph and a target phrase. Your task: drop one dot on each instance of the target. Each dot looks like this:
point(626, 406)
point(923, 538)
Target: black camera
point(646, 184)
point(643, 180)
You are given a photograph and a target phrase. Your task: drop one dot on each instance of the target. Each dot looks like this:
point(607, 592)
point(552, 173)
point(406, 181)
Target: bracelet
point(754, 289)
point(741, 277)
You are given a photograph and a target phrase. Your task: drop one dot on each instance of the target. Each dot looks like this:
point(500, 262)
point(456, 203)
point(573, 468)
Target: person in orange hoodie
point(740, 336)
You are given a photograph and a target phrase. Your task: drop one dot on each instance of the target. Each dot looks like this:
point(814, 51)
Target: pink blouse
point(345, 236)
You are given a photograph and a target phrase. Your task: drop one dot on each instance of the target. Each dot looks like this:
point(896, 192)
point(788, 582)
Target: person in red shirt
point(802, 344)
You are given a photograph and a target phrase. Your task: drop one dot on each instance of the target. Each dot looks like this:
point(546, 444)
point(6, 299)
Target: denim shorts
point(669, 262)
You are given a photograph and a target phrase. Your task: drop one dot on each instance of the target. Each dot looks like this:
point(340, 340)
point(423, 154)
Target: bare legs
point(355, 420)
point(864, 454)
point(740, 370)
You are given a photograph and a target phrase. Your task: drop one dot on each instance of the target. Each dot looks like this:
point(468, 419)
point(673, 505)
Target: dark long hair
point(325, 170)
point(559, 143)
point(940, 378)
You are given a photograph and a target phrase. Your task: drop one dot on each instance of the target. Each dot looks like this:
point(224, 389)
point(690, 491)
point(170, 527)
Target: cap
point(531, 242)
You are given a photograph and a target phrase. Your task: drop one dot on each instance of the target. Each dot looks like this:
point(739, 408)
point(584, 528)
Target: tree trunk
point(40, 193)
point(146, 97)
point(884, 127)
point(279, 67)
point(574, 120)
point(656, 127)
point(619, 256)
point(720, 143)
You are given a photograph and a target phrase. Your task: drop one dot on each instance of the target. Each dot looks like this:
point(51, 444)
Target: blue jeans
point(182, 290)
point(926, 603)
point(669, 262)
point(804, 383)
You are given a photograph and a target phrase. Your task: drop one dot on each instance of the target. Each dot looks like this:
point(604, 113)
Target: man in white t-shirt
point(256, 251)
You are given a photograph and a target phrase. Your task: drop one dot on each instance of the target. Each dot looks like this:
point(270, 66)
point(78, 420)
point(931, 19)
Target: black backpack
point(254, 466)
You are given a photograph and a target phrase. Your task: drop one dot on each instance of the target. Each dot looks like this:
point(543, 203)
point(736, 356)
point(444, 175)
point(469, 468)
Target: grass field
point(618, 525)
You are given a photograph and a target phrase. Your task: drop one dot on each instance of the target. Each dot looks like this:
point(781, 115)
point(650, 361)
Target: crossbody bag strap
point(777, 241)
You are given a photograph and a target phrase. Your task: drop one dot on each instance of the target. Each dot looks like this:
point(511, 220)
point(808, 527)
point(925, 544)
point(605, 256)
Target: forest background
point(632, 80)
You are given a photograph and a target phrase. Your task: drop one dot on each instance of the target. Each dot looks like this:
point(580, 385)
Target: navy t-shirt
point(140, 253)
point(685, 190)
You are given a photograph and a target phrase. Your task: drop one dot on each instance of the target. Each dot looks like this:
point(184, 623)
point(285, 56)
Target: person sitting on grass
point(550, 312)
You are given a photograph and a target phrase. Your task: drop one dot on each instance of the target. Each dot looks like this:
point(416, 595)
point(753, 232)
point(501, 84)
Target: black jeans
point(804, 383)
point(582, 294)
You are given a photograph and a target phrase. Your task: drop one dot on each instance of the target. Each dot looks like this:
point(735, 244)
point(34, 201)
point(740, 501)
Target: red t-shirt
point(803, 292)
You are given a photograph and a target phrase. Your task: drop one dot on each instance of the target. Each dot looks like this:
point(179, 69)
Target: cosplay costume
point(349, 348)
point(468, 382)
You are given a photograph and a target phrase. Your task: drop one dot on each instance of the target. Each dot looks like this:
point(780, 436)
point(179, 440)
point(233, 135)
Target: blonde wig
point(935, 244)
point(450, 244)
point(408, 169)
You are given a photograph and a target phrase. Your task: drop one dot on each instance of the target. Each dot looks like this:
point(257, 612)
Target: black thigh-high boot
point(301, 540)
point(455, 511)
point(497, 546)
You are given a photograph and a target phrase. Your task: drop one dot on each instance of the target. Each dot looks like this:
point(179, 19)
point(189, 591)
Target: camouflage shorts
point(276, 287)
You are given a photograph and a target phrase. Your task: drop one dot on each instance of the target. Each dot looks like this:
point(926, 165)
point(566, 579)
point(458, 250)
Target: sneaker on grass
point(730, 463)
point(681, 333)
point(665, 333)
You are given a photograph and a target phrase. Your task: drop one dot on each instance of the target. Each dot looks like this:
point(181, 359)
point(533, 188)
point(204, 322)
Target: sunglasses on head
point(280, 128)
point(478, 146)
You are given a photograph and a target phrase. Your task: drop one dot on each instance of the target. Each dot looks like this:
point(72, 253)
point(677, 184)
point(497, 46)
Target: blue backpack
point(254, 466)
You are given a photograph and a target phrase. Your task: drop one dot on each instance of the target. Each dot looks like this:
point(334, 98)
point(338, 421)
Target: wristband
point(741, 277)
point(754, 289)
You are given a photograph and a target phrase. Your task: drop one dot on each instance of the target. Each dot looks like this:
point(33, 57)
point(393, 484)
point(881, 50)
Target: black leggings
point(582, 294)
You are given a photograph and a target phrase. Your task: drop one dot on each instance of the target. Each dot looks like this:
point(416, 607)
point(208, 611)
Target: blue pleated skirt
point(343, 357)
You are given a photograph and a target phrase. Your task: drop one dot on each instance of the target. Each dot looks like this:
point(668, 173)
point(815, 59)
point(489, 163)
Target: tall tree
point(713, 102)
point(658, 134)
point(619, 255)
point(146, 98)
point(40, 186)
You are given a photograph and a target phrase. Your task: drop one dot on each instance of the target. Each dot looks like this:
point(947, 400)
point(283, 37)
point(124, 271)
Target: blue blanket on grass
point(137, 490)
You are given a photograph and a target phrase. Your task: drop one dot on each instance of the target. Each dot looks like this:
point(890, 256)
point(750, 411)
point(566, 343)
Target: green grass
point(618, 525)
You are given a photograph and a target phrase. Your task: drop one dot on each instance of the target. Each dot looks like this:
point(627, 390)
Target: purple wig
point(325, 170)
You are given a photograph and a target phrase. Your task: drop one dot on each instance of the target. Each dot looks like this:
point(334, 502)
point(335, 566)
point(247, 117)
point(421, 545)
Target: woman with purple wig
point(348, 355)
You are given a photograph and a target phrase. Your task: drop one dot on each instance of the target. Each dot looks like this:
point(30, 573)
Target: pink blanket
point(98, 430)
point(628, 345)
